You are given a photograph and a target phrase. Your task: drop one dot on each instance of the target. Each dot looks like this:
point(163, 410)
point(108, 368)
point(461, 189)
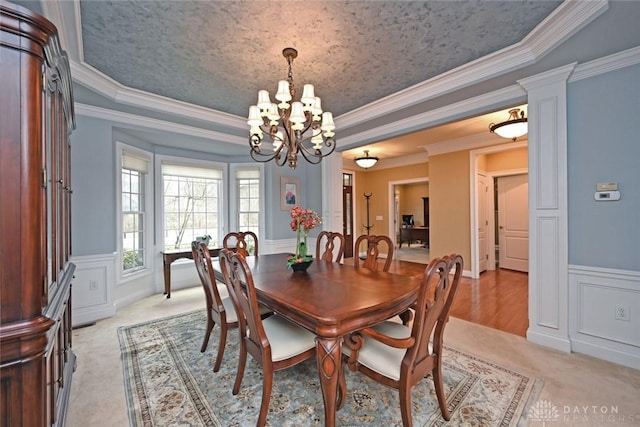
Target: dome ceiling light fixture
point(300, 127)
point(366, 161)
point(514, 127)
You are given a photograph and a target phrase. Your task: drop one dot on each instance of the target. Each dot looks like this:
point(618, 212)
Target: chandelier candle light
point(300, 127)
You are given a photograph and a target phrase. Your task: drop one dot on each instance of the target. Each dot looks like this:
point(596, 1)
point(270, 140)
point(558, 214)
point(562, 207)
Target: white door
point(513, 222)
point(483, 241)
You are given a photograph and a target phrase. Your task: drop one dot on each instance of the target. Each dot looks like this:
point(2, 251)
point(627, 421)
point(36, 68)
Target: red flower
point(304, 219)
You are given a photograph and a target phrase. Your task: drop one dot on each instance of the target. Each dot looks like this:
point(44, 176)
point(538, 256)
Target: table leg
point(329, 357)
point(167, 278)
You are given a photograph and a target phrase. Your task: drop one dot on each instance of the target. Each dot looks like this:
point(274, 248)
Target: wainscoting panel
point(92, 288)
point(605, 314)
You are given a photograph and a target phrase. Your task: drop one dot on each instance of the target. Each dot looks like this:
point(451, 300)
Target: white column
point(332, 193)
point(548, 222)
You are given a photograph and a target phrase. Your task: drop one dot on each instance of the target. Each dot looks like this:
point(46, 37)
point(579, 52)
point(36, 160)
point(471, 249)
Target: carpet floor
point(169, 382)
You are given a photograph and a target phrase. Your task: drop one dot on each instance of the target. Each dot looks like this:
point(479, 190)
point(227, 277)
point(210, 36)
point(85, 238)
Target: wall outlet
point(622, 312)
point(93, 285)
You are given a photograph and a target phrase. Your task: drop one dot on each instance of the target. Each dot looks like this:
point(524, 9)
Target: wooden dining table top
point(330, 299)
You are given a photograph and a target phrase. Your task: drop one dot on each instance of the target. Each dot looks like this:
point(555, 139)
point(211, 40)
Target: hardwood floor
point(499, 299)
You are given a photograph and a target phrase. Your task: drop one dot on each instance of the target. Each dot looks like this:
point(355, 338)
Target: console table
point(170, 256)
point(410, 234)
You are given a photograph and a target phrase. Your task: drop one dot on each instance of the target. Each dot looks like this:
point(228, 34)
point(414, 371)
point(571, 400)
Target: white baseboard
point(554, 342)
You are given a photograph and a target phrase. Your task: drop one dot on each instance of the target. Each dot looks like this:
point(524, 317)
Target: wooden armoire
point(36, 118)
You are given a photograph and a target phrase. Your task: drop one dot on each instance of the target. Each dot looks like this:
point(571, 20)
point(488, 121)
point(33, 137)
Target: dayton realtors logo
point(545, 412)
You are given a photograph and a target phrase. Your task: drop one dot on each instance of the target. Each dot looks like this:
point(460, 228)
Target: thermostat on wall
point(606, 196)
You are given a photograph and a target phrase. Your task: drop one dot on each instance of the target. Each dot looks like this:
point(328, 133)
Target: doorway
point(489, 214)
point(409, 196)
point(347, 213)
point(513, 222)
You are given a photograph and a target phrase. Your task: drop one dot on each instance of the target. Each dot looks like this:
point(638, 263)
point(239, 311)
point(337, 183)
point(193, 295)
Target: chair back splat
point(244, 242)
point(373, 257)
point(219, 310)
point(326, 245)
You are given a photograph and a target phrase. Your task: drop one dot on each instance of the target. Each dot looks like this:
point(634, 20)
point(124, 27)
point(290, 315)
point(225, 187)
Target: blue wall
point(604, 146)
point(93, 220)
point(93, 178)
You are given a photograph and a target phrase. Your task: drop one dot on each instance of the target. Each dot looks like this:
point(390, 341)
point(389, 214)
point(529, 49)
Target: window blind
point(133, 162)
point(191, 171)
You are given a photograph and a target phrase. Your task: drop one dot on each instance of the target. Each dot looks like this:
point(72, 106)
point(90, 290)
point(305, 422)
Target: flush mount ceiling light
point(300, 127)
point(366, 161)
point(512, 128)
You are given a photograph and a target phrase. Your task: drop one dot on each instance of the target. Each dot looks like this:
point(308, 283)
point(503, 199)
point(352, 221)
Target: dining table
point(331, 300)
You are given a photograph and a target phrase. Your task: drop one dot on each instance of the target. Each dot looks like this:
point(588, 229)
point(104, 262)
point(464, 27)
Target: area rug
point(168, 382)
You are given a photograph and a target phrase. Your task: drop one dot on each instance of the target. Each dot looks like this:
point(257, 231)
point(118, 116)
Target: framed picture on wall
point(289, 192)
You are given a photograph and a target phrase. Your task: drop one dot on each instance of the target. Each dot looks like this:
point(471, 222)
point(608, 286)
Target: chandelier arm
point(327, 142)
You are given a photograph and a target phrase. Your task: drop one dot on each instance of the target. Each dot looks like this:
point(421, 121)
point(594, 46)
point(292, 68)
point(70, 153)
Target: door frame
point(473, 200)
point(391, 198)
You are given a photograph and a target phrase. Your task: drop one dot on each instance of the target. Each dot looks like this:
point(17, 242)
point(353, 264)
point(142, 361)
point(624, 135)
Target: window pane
point(132, 220)
point(191, 206)
point(248, 204)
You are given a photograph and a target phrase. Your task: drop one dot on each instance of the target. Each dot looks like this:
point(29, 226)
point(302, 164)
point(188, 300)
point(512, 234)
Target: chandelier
point(513, 127)
point(290, 129)
point(366, 161)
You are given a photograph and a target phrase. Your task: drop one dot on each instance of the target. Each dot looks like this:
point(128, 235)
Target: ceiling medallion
point(513, 127)
point(300, 127)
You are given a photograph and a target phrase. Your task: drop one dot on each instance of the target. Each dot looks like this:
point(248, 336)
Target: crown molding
point(606, 64)
point(88, 76)
point(565, 21)
point(437, 116)
point(412, 159)
point(569, 18)
point(472, 142)
point(155, 124)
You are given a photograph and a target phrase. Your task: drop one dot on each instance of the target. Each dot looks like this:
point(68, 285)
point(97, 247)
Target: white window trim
point(148, 208)
point(234, 199)
point(159, 159)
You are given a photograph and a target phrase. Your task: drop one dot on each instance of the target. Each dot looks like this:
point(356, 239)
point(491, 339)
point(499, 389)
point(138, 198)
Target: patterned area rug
point(170, 383)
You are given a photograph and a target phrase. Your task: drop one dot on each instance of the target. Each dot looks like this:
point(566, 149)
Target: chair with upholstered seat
point(373, 258)
point(237, 242)
point(219, 310)
point(275, 343)
point(400, 356)
point(326, 245)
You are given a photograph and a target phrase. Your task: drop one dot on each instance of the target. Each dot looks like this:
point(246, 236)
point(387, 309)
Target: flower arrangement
point(302, 220)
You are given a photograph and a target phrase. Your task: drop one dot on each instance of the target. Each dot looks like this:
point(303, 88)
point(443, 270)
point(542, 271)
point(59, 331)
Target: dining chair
point(326, 242)
point(219, 310)
point(274, 342)
point(237, 241)
point(400, 356)
point(372, 260)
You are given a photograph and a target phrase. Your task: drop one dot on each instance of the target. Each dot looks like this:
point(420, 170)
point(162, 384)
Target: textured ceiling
point(217, 54)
